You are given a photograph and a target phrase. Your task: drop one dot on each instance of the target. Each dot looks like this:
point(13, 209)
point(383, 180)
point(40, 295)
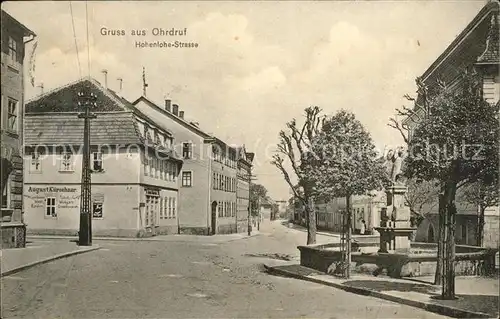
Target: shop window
point(187, 179)
point(50, 207)
point(35, 164)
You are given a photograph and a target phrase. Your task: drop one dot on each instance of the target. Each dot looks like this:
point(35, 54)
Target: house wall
point(194, 208)
point(226, 219)
point(120, 186)
point(242, 200)
point(12, 87)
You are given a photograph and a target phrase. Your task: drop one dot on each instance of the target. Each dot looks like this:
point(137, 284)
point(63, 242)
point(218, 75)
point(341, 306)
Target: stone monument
point(395, 230)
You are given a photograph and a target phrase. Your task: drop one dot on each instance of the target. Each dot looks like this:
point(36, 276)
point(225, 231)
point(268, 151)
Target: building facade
point(476, 47)
point(244, 176)
point(15, 39)
point(135, 170)
point(208, 181)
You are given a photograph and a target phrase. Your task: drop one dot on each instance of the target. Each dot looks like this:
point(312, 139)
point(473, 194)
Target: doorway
point(213, 229)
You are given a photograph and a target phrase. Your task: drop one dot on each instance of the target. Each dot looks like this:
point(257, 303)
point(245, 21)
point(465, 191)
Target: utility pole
point(86, 100)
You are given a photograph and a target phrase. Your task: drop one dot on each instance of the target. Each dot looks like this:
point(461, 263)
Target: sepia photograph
point(250, 159)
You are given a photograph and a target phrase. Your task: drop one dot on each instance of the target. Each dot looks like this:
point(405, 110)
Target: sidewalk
point(38, 252)
point(478, 297)
point(303, 229)
point(162, 238)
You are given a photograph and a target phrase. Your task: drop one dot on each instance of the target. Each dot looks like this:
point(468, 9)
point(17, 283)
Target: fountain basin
point(419, 260)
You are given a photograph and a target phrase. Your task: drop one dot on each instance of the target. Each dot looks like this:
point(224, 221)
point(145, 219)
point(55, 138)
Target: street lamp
point(86, 100)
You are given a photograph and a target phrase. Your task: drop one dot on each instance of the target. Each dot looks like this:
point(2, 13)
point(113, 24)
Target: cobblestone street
point(184, 280)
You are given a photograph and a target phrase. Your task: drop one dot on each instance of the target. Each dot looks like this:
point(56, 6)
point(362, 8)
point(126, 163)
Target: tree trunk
point(448, 291)
point(438, 278)
point(480, 226)
point(311, 222)
point(348, 241)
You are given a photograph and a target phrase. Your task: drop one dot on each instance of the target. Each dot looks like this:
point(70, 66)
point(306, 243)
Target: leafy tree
point(483, 196)
point(456, 143)
point(294, 149)
point(257, 194)
point(344, 162)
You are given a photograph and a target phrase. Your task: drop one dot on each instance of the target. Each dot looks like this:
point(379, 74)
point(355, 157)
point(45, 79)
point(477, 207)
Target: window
point(187, 179)
point(35, 164)
point(173, 207)
point(219, 206)
point(97, 161)
point(146, 165)
point(158, 168)
point(150, 165)
point(174, 172)
point(12, 51)
point(161, 207)
point(169, 207)
point(187, 150)
point(6, 194)
point(66, 162)
point(50, 207)
point(214, 179)
point(165, 208)
point(12, 115)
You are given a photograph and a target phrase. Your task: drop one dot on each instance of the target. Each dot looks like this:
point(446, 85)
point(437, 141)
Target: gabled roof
point(67, 129)
point(242, 155)
point(64, 99)
point(466, 48)
point(7, 19)
point(177, 119)
point(491, 54)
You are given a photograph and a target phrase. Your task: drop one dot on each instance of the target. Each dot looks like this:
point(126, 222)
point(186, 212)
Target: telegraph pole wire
point(76, 44)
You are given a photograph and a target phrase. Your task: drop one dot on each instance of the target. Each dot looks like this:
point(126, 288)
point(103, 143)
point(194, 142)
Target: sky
point(257, 65)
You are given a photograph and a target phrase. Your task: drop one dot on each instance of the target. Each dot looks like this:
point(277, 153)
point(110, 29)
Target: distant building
point(330, 215)
point(15, 36)
point(475, 47)
point(135, 170)
point(209, 177)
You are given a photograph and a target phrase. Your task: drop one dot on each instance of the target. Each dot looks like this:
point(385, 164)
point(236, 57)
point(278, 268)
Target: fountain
point(395, 233)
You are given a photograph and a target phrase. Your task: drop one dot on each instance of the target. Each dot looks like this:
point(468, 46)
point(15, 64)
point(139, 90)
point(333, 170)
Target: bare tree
point(294, 148)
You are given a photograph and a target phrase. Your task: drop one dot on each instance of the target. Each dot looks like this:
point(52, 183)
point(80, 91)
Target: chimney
point(175, 109)
point(181, 114)
point(41, 88)
point(105, 72)
point(167, 105)
point(120, 87)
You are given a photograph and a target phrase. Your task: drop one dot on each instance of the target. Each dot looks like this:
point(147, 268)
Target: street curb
point(148, 239)
point(46, 260)
point(435, 308)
